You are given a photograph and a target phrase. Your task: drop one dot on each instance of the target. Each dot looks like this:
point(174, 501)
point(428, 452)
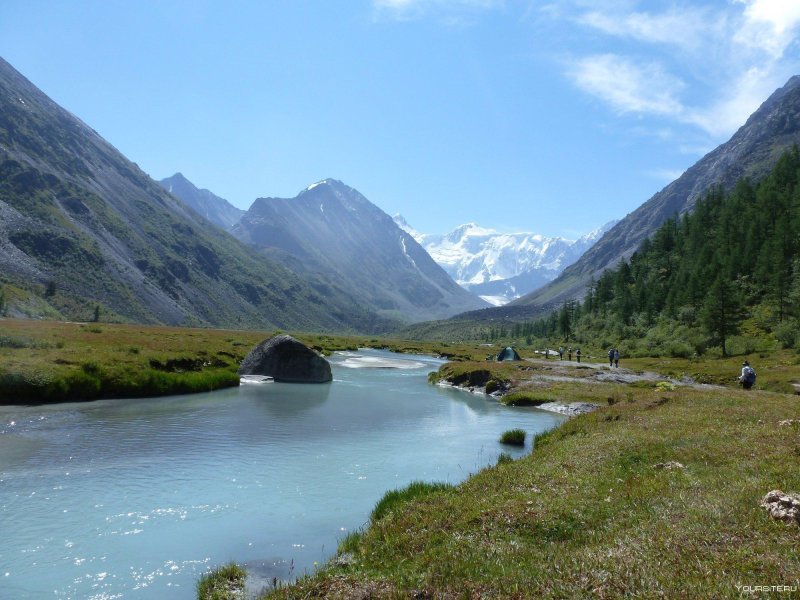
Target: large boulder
point(285, 359)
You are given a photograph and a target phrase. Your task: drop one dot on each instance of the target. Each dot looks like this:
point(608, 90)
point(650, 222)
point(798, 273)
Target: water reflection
point(287, 400)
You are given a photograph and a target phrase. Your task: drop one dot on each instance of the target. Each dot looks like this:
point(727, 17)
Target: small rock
point(673, 464)
point(789, 422)
point(783, 507)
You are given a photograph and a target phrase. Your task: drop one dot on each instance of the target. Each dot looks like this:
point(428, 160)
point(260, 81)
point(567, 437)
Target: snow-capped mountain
point(500, 267)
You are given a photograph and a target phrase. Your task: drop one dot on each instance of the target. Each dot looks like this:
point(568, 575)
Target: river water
point(137, 498)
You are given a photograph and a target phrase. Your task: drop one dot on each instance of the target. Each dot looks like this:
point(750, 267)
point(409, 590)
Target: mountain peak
point(334, 184)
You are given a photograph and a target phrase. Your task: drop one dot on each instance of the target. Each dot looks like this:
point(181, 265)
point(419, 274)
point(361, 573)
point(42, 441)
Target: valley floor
point(655, 494)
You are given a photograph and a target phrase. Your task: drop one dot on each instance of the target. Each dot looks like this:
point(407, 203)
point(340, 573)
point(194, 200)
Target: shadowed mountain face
point(331, 230)
point(82, 227)
point(215, 209)
point(751, 152)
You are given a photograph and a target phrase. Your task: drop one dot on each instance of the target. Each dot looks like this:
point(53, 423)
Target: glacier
point(500, 267)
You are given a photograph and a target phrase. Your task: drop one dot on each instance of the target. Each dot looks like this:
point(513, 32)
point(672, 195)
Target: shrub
point(492, 386)
point(514, 437)
point(395, 498)
point(739, 344)
point(786, 333)
point(525, 398)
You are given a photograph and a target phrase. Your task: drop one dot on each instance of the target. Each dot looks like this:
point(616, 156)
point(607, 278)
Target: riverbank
point(43, 362)
point(661, 480)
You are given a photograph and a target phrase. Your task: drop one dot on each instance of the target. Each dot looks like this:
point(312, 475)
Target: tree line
point(733, 263)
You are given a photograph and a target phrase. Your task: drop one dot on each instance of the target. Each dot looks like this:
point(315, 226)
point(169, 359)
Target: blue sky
point(552, 117)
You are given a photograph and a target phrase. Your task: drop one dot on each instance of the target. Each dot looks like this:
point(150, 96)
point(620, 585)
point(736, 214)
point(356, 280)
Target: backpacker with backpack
point(748, 377)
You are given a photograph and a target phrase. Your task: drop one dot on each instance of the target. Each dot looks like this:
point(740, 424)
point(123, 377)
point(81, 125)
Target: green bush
point(395, 498)
point(513, 437)
point(525, 398)
point(786, 332)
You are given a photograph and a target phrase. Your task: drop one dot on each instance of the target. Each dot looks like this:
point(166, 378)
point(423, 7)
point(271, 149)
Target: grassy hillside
point(83, 230)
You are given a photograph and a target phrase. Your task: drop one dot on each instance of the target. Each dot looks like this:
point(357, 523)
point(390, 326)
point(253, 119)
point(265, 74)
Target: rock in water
point(287, 360)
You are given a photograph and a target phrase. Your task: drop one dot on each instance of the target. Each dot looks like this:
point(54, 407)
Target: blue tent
point(508, 354)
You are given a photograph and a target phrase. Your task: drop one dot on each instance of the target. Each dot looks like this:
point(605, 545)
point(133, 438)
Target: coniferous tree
point(722, 310)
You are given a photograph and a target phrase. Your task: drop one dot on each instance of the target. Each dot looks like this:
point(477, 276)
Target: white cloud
point(769, 25)
point(627, 86)
point(685, 28)
point(731, 57)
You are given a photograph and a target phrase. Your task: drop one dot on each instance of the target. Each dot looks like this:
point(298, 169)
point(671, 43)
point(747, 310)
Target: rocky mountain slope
point(84, 232)
point(215, 209)
point(331, 230)
point(500, 267)
point(750, 152)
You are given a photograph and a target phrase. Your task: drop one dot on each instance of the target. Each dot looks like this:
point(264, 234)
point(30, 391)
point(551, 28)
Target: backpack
point(749, 375)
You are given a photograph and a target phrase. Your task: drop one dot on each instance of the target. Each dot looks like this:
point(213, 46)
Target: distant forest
point(722, 278)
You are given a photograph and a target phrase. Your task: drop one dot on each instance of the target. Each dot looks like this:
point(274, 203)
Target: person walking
point(748, 376)
point(569, 353)
point(616, 357)
point(561, 353)
point(610, 357)
point(578, 354)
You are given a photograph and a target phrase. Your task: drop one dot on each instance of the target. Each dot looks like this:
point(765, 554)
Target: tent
point(508, 354)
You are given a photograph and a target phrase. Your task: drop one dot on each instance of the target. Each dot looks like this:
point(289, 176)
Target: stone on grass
point(286, 360)
point(673, 464)
point(781, 506)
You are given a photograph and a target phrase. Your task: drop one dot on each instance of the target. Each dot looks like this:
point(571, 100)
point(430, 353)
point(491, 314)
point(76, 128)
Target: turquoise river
point(137, 498)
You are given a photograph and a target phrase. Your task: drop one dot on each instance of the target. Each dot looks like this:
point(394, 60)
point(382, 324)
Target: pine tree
point(722, 311)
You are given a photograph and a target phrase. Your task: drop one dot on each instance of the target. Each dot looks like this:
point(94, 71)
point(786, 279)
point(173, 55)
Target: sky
point(520, 115)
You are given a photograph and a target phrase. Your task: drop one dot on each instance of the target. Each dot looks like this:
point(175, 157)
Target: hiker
point(578, 354)
point(610, 357)
point(561, 353)
point(748, 376)
point(616, 357)
point(569, 353)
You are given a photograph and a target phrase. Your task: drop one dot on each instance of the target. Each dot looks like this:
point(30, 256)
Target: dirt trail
point(573, 371)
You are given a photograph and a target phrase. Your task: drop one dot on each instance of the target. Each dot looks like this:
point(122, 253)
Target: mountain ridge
point(750, 152)
point(331, 229)
point(85, 232)
point(207, 204)
point(497, 266)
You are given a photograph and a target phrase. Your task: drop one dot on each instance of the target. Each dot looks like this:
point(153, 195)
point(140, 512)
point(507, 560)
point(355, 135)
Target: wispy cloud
point(629, 87)
point(735, 55)
point(686, 28)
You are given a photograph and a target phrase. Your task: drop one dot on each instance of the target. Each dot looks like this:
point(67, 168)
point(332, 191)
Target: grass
point(47, 361)
point(513, 437)
point(590, 513)
point(52, 361)
point(396, 499)
point(223, 583)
